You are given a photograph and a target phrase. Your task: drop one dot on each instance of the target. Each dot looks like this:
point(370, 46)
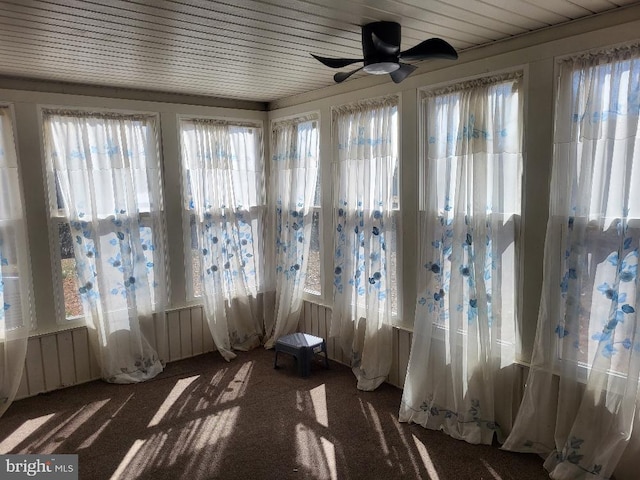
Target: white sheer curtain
point(582, 392)
point(366, 137)
point(460, 377)
point(294, 175)
point(104, 172)
point(15, 274)
point(223, 183)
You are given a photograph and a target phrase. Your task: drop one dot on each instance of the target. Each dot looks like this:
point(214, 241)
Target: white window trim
point(26, 281)
point(327, 192)
point(191, 299)
point(316, 116)
point(309, 295)
point(56, 217)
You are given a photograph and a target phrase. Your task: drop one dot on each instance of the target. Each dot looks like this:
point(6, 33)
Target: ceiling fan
point(381, 51)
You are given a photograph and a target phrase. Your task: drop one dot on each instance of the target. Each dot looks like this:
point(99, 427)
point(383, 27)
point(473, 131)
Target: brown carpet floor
point(203, 418)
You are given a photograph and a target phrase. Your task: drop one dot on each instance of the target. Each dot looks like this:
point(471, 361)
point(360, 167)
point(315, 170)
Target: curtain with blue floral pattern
point(15, 274)
point(582, 391)
point(223, 185)
point(294, 175)
point(460, 375)
point(105, 170)
point(366, 136)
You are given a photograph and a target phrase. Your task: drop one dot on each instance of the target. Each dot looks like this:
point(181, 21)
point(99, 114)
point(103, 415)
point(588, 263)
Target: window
point(394, 259)
point(295, 189)
point(470, 208)
point(223, 183)
point(104, 184)
point(594, 231)
point(366, 203)
point(313, 284)
point(15, 283)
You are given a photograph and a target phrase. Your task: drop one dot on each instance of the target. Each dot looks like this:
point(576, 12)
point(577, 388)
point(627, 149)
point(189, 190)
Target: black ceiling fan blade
point(384, 47)
point(403, 72)
point(342, 76)
point(336, 62)
point(431, 48)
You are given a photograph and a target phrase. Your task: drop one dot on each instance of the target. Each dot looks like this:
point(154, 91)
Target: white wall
point(49, 363)
point(63, 358)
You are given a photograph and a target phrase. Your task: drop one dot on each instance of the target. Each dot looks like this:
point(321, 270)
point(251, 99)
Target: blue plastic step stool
point(303, 347)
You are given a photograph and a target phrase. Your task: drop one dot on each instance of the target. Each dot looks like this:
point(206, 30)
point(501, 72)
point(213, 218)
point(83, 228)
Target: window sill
point(316, 300)
point(67, 326)
point(402, 324)
point(195, 302)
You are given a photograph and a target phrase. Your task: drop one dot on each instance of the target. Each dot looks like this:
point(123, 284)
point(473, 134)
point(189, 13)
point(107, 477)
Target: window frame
point(617, 380)
point(56, 216)
point(396, 212)
point(26, 281)
point(309, 295)
point(255, 211)
point(515, 218)
point(315, 116)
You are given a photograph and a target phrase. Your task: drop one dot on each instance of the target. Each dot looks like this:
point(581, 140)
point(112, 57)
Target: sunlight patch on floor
point(238, 386)
point(177, 390)
point(406, 448)
point(131, 454)
point(319, 400)
point(375, 421)
point(187, 438)
point(205, 400)
point(302, 400)
point(315, 453)
point(89, 441)
point(426, 459)
point(196, 448)
point(493, 473)
point(330, 455)
point(216, 427)
point(62, 431)
point(204, 443)
point(22, 432)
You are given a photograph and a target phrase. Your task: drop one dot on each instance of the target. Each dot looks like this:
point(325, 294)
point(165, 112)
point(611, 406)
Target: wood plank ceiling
point(251, 49)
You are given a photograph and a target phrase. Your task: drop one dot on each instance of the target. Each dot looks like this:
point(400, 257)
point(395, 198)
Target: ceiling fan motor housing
point(381, 52)
point(389, 33)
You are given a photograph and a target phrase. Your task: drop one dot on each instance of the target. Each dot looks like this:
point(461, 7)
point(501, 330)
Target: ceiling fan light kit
point(381, 52)
point(380, 68)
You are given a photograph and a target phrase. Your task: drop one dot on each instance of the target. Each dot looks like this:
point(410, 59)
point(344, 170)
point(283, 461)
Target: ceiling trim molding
point(46, 86)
